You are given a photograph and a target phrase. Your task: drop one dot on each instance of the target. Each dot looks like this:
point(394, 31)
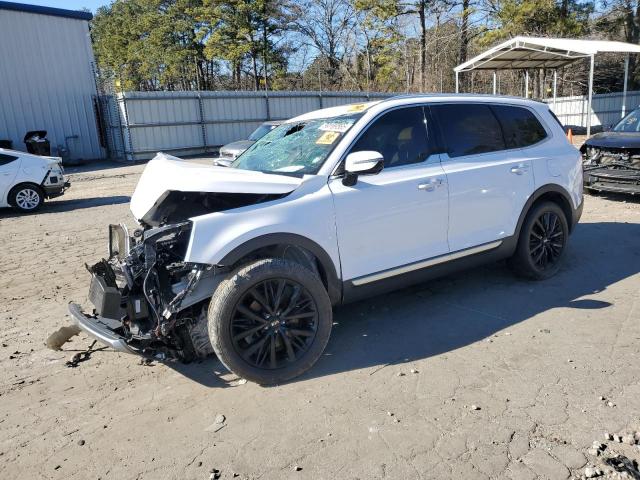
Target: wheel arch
point(552, 193)
point(275, 242)
point(23, 184)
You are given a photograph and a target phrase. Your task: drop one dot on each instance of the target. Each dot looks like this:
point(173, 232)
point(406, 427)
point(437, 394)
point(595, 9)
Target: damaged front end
point(146, 298)
point(611, 169)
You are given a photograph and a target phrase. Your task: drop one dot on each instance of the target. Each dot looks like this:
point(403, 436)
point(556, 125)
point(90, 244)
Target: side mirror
point(361, 163)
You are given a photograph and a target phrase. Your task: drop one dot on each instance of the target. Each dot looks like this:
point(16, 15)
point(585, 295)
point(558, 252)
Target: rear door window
point(469, 129)
point(520, 126)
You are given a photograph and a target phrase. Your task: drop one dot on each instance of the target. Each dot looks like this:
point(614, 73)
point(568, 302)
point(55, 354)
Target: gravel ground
point(477, 375)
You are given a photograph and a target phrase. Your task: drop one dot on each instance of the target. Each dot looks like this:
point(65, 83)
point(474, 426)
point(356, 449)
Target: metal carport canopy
point(522, 53)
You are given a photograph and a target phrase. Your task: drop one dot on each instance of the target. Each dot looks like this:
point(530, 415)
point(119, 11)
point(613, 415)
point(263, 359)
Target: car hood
point(239, 146)
point(614, 140)
point(165, 175)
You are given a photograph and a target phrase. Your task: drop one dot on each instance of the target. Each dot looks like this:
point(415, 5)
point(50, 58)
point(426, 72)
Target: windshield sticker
point(340, 127)
point(327, 138)
point(357, 107)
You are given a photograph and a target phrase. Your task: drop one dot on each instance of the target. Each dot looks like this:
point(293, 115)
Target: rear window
point(469, 129)
point(5, 159)
point(520, 126)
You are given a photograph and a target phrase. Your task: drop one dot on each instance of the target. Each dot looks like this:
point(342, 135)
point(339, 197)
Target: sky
point(68, 4)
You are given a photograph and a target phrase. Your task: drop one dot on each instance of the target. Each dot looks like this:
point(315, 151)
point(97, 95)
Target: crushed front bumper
point(105, 330)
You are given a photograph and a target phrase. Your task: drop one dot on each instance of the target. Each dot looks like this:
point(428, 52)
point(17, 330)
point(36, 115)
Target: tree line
point(361, 45)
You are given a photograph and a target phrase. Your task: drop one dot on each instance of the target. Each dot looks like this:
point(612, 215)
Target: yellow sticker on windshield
point(327, 138)
point(357, 107)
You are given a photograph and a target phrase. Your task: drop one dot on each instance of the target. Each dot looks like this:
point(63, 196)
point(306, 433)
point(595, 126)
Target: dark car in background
point(231, 151)
point(612, 158)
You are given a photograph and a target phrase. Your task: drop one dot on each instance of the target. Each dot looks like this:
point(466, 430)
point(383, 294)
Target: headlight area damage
point(611, 169)
point(147, 299)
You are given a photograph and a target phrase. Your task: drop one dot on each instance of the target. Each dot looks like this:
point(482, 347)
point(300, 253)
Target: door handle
point(431, 185)
point(520, 169)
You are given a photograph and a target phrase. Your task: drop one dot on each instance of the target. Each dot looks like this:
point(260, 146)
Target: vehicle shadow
point(56, 206)
point(449, 313)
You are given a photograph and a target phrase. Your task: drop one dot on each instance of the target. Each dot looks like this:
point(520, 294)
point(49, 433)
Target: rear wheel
point(270, 320)
point(541, 243)
point(26, 197)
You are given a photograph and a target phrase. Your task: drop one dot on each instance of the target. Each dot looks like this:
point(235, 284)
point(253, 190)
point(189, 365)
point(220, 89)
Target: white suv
point(27, 179)
point(332, 206)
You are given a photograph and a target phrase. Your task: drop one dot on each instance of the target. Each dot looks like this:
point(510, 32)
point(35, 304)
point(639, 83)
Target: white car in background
point(26, 179)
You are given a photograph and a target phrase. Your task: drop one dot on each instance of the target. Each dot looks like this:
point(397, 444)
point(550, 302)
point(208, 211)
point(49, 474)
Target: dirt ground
point(476, 375)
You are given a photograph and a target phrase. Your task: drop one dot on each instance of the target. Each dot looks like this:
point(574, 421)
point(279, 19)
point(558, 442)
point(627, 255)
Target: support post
point(555, 86)
point(526, 84)
point(457, 83)
point(494, 82)
point(624, 86)
point(592, 61)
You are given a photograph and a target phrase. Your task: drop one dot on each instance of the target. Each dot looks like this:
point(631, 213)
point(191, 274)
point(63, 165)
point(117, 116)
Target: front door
point(398, 216)
point(489, 178)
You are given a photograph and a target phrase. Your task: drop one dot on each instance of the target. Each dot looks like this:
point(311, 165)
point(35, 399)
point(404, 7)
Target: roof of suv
point(462, 96)
point(412, 99)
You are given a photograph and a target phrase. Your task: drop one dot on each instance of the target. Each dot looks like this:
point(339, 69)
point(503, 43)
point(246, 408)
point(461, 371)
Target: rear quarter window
point(520, 126)
point(6, 159)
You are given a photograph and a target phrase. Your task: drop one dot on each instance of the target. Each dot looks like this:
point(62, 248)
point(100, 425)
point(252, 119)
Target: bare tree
point(325, 25)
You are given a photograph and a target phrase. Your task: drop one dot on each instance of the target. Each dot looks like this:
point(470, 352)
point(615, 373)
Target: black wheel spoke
point(248, 313)
point(274, 323)
point(301, 333)
point(261, 300)
point(290, 353)
point(278, 295)
point(255, 347)
point(536, 248)
point(292, 301)
point(299, 316)
point(248, 333)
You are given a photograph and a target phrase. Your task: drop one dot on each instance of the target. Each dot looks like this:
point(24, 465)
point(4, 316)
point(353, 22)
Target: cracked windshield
point(296, 148)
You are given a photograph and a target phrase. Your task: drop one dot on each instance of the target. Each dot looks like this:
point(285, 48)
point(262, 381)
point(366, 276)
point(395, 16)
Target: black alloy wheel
point(546, 240)
point(274, 323)
point(270, 320)
point(541, 242)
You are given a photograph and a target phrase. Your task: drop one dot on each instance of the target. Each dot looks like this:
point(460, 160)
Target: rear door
point(398, 216)
point(489, 178)
point(9, 165)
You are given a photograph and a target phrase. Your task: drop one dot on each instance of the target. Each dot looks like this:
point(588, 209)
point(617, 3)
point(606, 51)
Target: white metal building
point(46, 78)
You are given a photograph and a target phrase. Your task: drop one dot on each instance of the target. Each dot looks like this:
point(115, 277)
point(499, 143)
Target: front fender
point(307, 213)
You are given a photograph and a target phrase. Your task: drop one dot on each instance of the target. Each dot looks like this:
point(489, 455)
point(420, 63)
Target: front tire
point(542, 241)
point(270, 320)
point(26, 197)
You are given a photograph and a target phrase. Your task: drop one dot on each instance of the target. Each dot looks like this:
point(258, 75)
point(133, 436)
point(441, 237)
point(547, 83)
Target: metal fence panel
point(185, 123)
point(606, 109)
